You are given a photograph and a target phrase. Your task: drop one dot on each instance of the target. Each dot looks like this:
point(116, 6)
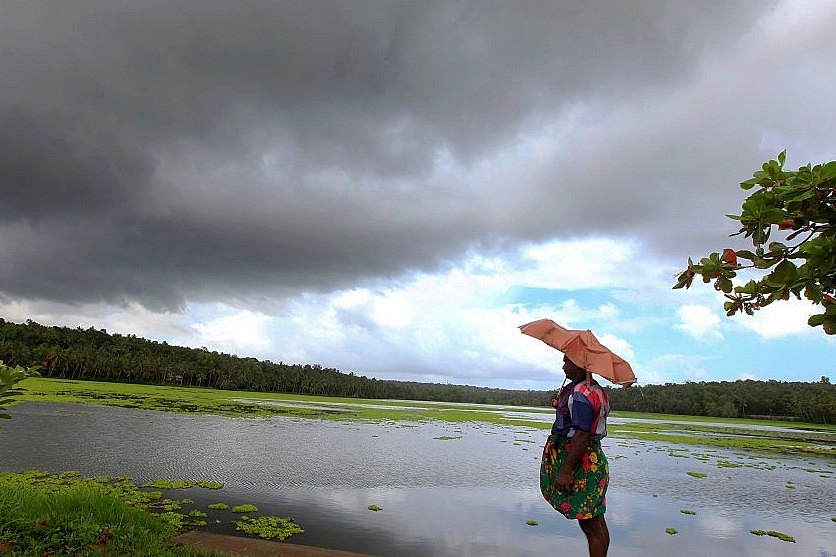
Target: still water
point(445, 489)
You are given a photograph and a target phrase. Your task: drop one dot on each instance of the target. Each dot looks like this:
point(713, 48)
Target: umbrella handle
point(560, 390)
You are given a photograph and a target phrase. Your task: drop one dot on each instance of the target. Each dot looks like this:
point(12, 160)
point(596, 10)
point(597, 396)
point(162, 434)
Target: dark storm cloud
point(158, 151)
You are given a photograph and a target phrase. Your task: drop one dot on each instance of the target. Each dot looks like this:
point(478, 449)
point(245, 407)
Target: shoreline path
point(238, 546)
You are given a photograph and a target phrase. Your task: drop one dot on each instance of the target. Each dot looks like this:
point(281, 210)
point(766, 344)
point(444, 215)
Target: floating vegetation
point(696, 474)
point(269, 527)
point(687, 511)
point(671, 531)
point(170, 484)
point(531, 522)
point(375, 508)
point(209, 485)
point(218, 507)
point(245, 508)
point(169, 505)
point(774, 534)
point(447, 437)
point(728, 464)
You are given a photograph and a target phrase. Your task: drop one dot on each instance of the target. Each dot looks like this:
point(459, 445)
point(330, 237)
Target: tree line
point(95, 354)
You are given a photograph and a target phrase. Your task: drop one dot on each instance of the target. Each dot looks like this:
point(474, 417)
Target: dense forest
point(95, 354)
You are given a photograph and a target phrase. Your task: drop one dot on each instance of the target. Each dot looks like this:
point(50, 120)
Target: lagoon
point(445, 489)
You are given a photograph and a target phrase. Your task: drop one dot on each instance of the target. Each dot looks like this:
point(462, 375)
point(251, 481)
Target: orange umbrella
point(583, 349)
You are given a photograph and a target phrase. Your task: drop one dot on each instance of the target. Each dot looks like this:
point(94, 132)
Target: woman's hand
point(564, 481)
point(577, 446)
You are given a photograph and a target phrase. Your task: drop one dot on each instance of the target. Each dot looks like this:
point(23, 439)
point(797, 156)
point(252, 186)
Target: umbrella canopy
point(583, 349)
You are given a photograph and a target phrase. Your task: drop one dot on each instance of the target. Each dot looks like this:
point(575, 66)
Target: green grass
point(681, 430)
point(42, 514)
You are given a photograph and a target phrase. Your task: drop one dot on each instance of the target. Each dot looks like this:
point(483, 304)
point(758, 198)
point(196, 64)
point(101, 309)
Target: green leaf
point(750, 287)
point(816, 320)
point(724, 284)
point(783, 274)
point(813, 292)
point(749, 184)
point(828, 171)
point(776, 247)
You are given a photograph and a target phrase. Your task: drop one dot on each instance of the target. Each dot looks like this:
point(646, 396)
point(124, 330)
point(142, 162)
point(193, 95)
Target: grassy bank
point(51, 515)
point(44, 514)
point(732, 433)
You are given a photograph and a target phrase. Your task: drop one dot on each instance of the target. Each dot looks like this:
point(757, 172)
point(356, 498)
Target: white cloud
point(700, 323)
point(781, 319)
point(674, 368)
point(241, 332)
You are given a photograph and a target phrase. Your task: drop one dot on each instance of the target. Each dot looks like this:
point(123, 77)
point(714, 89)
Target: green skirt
point(588, 496)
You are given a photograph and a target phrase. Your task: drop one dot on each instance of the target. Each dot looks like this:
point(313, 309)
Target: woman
point(574, 472)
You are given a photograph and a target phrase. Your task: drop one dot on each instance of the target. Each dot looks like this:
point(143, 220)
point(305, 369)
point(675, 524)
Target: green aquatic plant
point(671, 531)
point(218, 507)
point(375, 508)
point(447, 437)
point(774, 534)
point(169, 505)
point(696, 474)
point(687, 511)
point(531, 522)
point(269, 527)
point(169, 484)
point(245, 508)
point(209, 485)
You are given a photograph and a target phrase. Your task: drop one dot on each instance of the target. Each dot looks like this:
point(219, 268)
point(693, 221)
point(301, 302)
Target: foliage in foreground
point(43, 514)
point(801, 203)
point(9, 376)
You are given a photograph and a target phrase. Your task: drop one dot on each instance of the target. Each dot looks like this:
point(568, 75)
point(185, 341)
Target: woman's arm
point(580, 440)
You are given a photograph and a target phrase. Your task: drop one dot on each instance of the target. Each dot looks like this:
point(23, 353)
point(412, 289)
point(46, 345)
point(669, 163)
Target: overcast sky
point(391, 187)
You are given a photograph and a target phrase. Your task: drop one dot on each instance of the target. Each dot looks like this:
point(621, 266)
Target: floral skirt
point(587, 498)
